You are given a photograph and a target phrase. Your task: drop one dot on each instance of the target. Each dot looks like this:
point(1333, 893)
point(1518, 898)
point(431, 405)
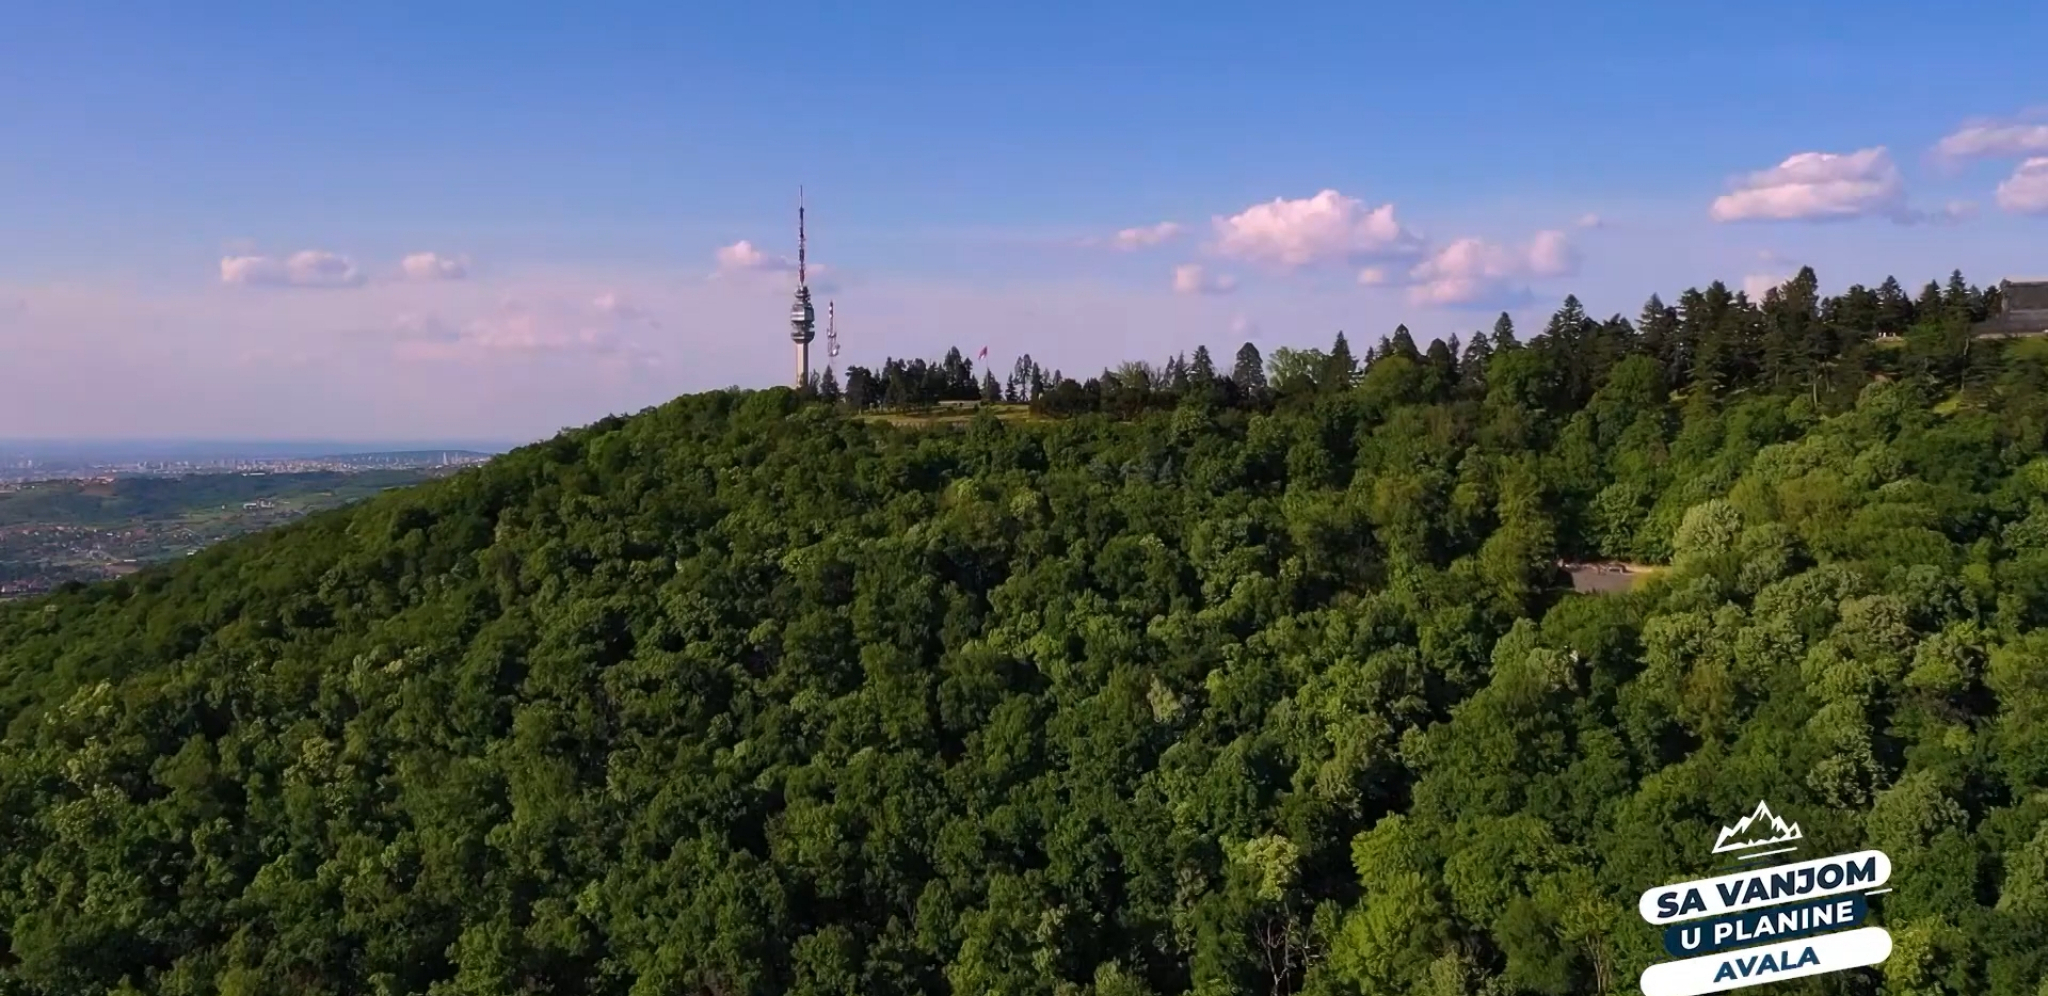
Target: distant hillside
point(54, 532)
point(131, 499)
point(1216, 687)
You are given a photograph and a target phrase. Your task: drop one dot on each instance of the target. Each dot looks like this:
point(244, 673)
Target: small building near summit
point(2022, 310)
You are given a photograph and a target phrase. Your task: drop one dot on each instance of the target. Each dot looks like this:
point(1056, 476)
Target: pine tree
point(1504, 334)
point(1018, 384)
point(1790, 356)
point(1202, 373)
point(1442, 363)
point(1177, 374)
point(1929, 304)
point(1403, 345)
point(828, 386)
point(1696, 350)
point(1894, 309)
point(860, 388)
point(1567, 339)
point(957, 378)
point(1855, 310)
point(1958, 296)
point(991, 392)
point(1472, 366)
point(1658, 329)
point(1248, 375)
point(1339, 370)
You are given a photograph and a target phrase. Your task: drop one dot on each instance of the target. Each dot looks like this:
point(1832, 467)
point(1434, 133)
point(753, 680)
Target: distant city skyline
point(503, 225)
point(173, 448)
point(86, 464)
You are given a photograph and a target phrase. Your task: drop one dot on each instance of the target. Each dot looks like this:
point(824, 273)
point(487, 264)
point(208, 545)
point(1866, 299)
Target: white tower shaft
point(803, 319)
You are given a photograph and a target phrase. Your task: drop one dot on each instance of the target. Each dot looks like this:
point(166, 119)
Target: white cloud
point(1756, 285)
point(1373, 276)
point(1995, 138)
point(744, 256)
point(1191, 278)
point(1475, 271)
point(1243, 325)
point(612, 305)
point(415, 327)
point(1328, 227)
point(434, 266)
point(1590, 220)
point(1775, 268)
point(2026, 190)
point(1146, 237)
point(516, 330)
point(310, 268)
point(1819, 186)
point(1552, 255)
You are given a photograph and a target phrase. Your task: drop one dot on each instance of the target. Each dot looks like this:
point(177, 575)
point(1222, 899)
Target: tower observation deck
point(803, 319)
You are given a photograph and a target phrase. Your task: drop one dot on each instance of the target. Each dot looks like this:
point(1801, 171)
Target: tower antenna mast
point(803, 321)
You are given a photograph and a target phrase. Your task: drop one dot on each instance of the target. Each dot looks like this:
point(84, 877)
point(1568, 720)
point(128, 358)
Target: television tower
point(803, 320)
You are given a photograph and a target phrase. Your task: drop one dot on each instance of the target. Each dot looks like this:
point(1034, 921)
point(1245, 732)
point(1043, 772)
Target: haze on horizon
point(362, 223)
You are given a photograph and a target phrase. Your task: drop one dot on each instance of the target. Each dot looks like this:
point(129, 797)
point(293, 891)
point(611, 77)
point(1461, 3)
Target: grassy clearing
point(960, 415)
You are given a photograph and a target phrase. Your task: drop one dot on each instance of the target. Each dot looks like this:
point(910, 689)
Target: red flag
point(984, 353)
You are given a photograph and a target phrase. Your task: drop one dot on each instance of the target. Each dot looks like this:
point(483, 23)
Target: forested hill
point(1270, 689)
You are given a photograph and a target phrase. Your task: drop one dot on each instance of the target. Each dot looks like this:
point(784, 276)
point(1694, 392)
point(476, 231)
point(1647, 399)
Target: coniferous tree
point(1856, 310)
point(1248, 375)
point(1025, 372)
point(1989, 301)
point(1176, 374)
point(1795, 341)
point(1568, 340)
point(1504, 334)
point(1402, 344)
point(1958, 295)
point(1894, 309)
point(1441, 361)
point(1723, 336)
point(1472, 366)
point(1929, 304)
point(1339, 371)
point(1658, 331)
point(860, 389)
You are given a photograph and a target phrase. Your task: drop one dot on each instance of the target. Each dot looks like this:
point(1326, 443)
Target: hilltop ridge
point(1271, 688)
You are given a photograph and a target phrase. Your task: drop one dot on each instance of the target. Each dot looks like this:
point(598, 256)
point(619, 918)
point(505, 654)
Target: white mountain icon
point(1739, 837)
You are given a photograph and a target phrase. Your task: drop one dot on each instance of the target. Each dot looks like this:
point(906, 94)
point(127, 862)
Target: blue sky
point(576, 173)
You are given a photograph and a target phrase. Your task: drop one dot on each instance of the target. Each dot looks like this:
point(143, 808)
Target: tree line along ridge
point(1207, 681)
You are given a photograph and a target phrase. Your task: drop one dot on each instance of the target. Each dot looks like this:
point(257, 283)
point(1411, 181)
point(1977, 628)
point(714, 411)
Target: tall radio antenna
point(803, 323)
point(831, 329)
